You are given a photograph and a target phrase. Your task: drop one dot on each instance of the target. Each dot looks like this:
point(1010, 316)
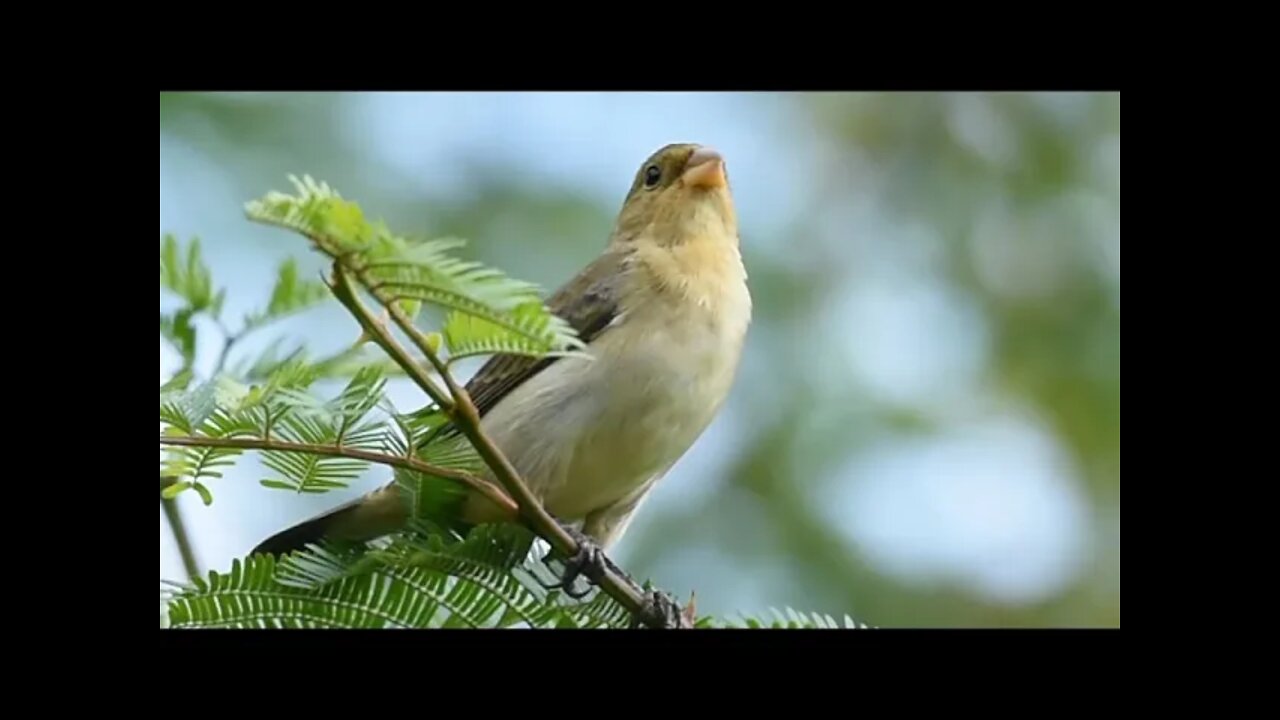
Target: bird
point(664, 311)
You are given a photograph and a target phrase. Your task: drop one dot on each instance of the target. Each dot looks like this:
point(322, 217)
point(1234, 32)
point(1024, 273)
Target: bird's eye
point(652, 175)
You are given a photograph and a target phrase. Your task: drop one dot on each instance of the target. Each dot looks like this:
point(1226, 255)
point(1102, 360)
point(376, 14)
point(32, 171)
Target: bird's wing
point(588, 303)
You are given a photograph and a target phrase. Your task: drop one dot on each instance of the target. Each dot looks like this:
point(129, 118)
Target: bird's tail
point(364, 518)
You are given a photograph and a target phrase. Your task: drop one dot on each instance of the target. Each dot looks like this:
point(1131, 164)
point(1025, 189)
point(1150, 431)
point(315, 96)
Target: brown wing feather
point(588, 303)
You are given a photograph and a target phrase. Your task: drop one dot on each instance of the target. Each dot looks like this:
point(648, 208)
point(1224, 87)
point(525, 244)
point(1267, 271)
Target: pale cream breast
point(587, 432)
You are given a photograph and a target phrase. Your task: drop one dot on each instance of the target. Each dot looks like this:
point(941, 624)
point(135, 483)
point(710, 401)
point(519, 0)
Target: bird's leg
point(588, 561)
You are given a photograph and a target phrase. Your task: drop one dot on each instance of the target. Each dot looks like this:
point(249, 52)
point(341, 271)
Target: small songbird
point(663, 311)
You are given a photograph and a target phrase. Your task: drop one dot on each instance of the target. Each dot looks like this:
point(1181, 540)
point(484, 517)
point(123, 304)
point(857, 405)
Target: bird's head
point(679, 194)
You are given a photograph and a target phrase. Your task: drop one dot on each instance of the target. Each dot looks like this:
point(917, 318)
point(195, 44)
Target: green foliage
point(289, 296)
point(196, 412)
point(337, 422)
point(186, 276)
point(433, 574)
point(788, 619)
point(418, 581)
point(489, 311)
point(283, 410)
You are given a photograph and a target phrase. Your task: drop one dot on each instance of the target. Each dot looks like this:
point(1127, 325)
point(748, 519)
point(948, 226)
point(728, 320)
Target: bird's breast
point(587, 432)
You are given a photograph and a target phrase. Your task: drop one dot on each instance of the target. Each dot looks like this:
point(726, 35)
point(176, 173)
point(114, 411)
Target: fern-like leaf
point(186, 409)
point(308, 472)
point(188, 277)
point(600, 611)
point(423, 579)
point(787, 618)
point(203, 412)
point(535, 333)
point(289, 296)
point(177, 329)
point(399, 271)
point(419, 584)
point(253, 596)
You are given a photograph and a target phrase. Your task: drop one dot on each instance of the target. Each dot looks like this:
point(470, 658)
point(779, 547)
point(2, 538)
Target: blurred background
point(925, 431)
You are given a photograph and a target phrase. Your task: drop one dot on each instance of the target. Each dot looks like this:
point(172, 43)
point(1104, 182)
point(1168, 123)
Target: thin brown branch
point(378, 332)
point(173, 514)
point(467, 418)
point(478, 484)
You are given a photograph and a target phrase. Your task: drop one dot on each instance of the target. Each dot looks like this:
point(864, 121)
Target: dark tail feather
point(304, 533)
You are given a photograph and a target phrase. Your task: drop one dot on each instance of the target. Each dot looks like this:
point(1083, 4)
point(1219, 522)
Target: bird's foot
point(661, 609)
point(589, 561)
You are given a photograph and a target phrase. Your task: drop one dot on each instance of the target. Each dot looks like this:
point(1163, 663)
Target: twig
point(173, 514)
point(475, 483)
point(341, 287)
point(229, 339)
point(464, 413)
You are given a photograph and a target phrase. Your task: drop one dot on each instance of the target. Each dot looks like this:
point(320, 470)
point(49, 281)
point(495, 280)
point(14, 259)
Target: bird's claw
point(589, 561)
point(661, 607)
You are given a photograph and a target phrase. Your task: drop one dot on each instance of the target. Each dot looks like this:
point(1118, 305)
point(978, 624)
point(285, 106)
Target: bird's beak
point(704, 169)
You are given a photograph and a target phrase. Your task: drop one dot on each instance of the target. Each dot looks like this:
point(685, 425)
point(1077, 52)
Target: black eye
point(652, 175)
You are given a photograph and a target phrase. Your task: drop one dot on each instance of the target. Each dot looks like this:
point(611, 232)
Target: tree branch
point(377, 331)
point(463, 411)
point(173, 514)
point(475, 483)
